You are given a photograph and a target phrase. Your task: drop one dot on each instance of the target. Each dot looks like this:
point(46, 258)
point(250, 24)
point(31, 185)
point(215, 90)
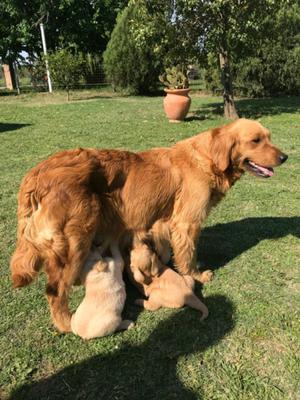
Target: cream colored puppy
point(169, 289)
point(99, 314)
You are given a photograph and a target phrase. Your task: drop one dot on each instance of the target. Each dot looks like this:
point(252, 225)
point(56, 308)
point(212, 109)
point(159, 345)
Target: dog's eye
point(257, 140)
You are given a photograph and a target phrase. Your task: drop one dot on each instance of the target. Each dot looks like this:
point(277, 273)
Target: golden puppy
point(142, 264)
point(99, 314)
point(169, 289)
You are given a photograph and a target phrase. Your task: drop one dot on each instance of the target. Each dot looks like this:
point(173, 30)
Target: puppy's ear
point(221, 148)
point(139, 277)
point(156, 265)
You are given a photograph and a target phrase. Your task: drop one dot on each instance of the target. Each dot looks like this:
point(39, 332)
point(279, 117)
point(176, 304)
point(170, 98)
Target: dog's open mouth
point(259, 170)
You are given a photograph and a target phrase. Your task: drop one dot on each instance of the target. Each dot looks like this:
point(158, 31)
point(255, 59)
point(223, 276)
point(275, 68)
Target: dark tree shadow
point(94, 97)
point(199, 115)
point(250, 108)
point(6, 92)
point(255, 108)
point(222, 243)
point(146, 371)
point(6, 127)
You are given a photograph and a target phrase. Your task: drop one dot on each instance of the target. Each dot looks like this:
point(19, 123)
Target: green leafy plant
point(174, 78)
point(132, 59)
point(66, 69)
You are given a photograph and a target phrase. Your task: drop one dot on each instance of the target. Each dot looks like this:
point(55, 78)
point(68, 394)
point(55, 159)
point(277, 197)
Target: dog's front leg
point(184, 238)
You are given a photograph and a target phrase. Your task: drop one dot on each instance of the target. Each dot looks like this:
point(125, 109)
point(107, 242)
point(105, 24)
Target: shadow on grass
point(222, 243)
point(7, 92)
point(93, 97)
point(110, 94)
point(145, 371)
point(6, 127)
point(250, 108)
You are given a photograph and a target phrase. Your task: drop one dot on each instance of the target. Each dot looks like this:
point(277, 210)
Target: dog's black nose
point(283, 158)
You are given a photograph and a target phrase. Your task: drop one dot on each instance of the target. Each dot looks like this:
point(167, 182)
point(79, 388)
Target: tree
point(83, 25)
point(66, 69)
point(132, 60)
point(228, 29)
point(14, 33)
point(270, 64)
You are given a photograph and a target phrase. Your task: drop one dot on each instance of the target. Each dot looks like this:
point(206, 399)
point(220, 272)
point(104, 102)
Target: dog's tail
point(26, 261)
point(192, 300)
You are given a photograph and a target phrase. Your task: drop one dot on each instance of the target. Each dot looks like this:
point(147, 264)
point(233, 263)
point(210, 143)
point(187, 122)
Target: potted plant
point(177, 101)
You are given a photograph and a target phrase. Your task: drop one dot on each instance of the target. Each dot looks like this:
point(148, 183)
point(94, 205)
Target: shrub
point(273, 71)
point(66, 69)
point(130, 60)
point(93, 72)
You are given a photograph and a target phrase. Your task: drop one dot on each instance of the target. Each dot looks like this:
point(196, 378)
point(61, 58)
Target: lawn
point(248, 348)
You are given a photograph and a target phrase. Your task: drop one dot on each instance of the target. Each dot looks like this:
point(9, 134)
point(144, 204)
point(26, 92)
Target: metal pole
point(46, 61)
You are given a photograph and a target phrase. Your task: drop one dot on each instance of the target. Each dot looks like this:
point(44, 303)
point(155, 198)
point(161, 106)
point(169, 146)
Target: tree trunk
point(12, 74)
point(229, 106)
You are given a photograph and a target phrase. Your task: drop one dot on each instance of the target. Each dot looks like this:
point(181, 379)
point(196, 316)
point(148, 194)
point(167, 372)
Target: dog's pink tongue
point(264, 170)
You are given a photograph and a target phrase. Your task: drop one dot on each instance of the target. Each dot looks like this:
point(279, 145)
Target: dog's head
point(245, 145)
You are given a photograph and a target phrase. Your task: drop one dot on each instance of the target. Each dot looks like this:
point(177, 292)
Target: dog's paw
point(206, 276)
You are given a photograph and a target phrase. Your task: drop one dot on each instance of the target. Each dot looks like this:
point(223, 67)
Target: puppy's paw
point(131, 325)
point(126, 324)
point(207, 276)
point(204, 314)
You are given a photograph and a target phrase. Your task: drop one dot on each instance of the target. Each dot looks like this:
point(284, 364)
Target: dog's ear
point(221, 148)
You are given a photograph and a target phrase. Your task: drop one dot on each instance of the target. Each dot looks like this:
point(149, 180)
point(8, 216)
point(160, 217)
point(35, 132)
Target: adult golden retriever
point(68, 200)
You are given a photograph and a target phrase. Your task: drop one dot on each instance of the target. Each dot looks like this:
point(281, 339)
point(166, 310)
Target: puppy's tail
point(26, 261)
point(192, 301)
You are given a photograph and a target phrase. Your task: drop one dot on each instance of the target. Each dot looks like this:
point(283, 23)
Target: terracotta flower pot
point(177, 104)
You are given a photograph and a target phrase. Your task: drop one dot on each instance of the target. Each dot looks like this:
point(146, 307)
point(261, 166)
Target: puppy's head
point(245, 145)
point(93, 265)
point(144, 264)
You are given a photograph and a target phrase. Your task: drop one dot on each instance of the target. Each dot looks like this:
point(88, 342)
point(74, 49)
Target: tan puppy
point(143, 264)
point(169, 289)
point(99, 314)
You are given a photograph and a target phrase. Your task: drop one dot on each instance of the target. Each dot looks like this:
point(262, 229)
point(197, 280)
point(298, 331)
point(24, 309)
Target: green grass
point(249, 346)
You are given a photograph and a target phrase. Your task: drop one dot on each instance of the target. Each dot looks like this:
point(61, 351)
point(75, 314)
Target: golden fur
point(171, 290)
point(166, 288)
point(142, 265)
point(78, 196)
point(99, 313)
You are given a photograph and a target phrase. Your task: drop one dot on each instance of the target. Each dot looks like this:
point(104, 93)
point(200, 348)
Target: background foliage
point(260, 39)
point(271, 64)
point(134, 55)
point(66, 68)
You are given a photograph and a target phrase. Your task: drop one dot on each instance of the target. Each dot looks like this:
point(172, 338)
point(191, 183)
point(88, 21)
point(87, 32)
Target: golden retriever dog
point(85, 194)
point(99, 313)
